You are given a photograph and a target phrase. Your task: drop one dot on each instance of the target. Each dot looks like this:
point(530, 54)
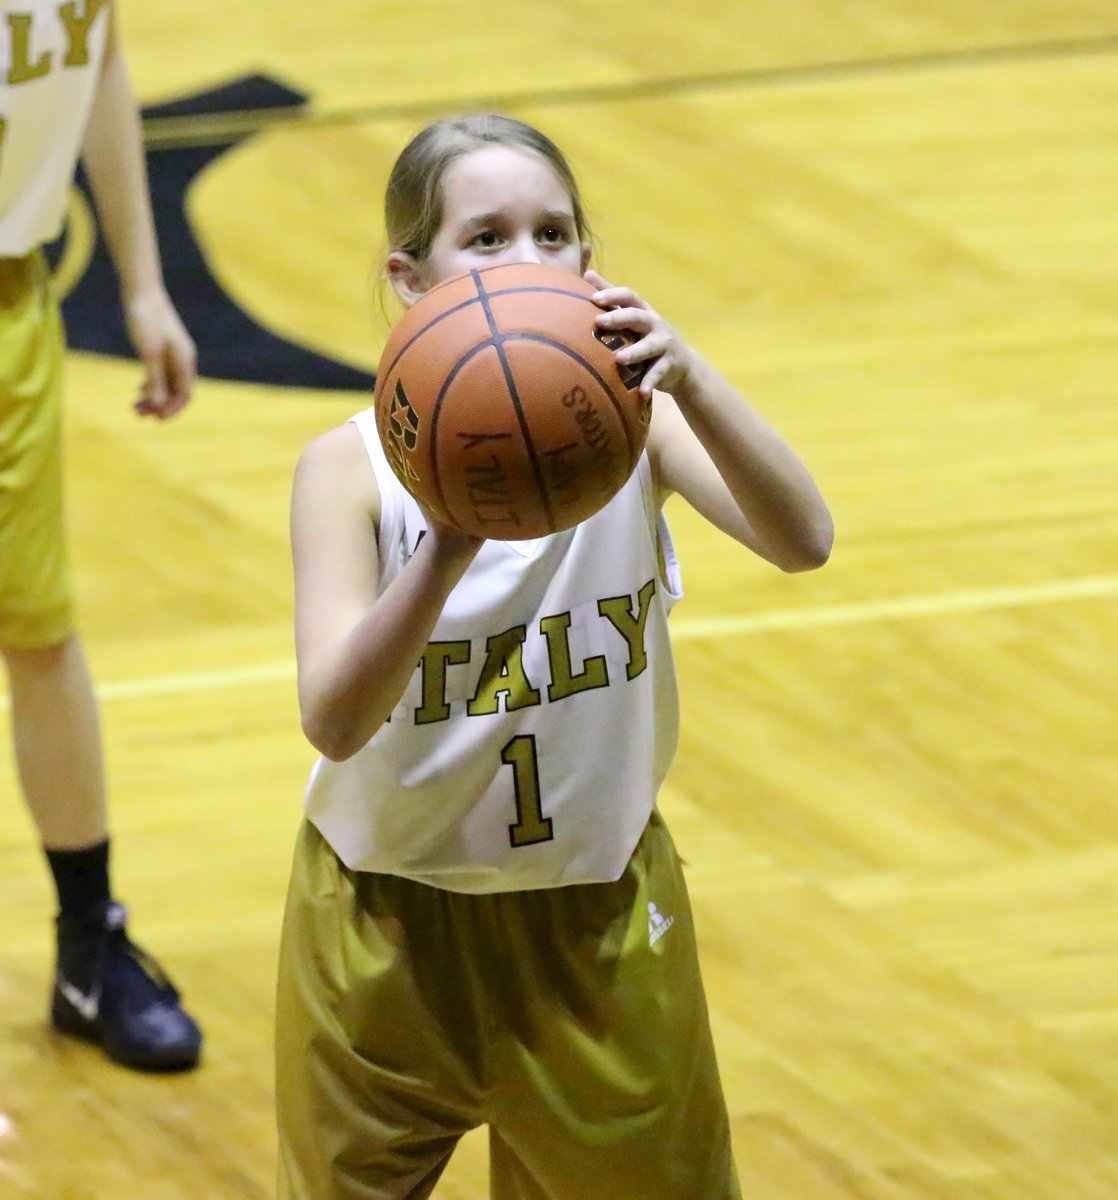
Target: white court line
point(198, 681)
point(193, 681)
point(1091, 587)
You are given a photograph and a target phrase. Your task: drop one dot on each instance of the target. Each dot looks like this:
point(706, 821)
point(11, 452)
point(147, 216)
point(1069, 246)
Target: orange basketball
point(500, 406)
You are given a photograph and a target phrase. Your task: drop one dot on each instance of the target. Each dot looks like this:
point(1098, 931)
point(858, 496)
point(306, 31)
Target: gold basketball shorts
point(35, 605)
point(571, 1021)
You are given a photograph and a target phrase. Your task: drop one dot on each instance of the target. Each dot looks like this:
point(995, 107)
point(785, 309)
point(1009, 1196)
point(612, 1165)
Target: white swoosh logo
point(87, 1005)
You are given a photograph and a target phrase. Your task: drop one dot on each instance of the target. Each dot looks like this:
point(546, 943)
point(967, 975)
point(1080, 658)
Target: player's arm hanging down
point(114, 161)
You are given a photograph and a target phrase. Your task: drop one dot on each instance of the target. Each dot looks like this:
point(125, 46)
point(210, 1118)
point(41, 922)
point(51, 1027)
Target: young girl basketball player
point(487, 921)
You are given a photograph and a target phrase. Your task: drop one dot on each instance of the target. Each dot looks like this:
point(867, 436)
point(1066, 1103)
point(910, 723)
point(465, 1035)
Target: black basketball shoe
point(109, 991)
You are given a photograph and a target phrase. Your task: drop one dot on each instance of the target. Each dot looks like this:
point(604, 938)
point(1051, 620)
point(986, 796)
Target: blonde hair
point(413, 201)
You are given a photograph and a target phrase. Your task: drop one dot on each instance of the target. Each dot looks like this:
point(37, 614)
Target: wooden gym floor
point(893, 225)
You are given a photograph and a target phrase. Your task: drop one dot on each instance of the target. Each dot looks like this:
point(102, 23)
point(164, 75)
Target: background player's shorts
point(570, 1020)
point(35, 607)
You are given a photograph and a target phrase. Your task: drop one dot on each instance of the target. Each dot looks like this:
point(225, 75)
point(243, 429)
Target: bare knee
point(29, 663)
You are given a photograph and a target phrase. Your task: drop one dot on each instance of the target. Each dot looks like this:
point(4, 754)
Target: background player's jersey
point(528, 748)
point(50, 62)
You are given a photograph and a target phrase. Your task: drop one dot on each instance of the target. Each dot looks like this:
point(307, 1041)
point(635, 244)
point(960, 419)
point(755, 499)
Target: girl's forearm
point(347, 695)
point(770, 485)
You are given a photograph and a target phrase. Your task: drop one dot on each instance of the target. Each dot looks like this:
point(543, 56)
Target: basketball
point(500, 406)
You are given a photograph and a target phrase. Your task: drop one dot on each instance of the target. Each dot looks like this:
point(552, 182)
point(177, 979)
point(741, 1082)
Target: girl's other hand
point(671, 359)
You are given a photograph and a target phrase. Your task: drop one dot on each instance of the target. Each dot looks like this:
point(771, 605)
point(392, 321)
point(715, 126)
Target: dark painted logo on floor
point(231, 345)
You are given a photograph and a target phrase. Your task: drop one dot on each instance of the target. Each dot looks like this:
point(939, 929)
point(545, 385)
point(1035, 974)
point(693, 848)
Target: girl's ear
point(586, 249)
point(406, 277)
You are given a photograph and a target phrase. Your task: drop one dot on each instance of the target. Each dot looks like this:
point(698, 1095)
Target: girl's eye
point(486, 238)
point(553, 235)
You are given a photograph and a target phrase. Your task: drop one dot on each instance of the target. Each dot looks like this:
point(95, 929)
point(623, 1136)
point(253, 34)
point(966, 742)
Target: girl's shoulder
point(337, 463)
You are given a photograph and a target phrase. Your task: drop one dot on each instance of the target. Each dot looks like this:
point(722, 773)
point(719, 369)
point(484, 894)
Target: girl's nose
point(526, 252)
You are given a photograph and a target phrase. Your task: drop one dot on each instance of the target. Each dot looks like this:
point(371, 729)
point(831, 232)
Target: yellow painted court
point(893, 226)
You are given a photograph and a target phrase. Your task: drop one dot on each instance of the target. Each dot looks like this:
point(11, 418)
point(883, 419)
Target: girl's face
point(502, 205)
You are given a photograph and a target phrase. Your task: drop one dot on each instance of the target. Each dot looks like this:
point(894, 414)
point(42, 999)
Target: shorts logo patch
point(658, 924)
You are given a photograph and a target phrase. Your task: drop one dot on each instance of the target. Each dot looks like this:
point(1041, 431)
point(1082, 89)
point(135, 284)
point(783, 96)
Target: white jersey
point(50, 65)
point(530, 744)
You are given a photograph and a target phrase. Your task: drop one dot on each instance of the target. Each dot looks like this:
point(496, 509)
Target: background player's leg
point(105, 989)
point(57, 737)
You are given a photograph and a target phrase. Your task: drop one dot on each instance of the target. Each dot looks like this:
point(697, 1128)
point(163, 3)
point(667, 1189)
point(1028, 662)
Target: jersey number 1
point(531, 825)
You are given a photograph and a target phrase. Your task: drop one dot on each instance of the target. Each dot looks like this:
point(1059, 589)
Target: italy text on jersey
point(27, 60)
point(503, 673)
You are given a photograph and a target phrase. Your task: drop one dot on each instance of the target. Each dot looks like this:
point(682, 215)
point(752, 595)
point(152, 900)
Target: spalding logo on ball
point(500, 406)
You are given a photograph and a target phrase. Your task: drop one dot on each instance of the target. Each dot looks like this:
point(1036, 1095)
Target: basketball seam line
point(497, 340)
point(466, 304)
point(591, 369)
point(432, 441)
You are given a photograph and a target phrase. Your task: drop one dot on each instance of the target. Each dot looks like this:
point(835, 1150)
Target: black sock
point(82, 878)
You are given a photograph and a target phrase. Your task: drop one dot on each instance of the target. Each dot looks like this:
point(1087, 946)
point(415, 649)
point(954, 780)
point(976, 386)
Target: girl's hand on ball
point(671, 359)
point(450, 540)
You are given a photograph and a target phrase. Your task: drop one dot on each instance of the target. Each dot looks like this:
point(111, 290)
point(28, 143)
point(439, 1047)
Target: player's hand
point(166, 351)
point(450, 541)
point(669, 357)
